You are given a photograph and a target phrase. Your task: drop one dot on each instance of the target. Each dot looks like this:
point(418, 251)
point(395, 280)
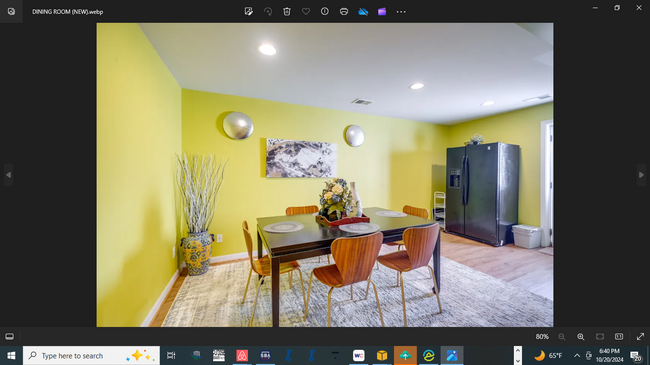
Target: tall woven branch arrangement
point(199, 179)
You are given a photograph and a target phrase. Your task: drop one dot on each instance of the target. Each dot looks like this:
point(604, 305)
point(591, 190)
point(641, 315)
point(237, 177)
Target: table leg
point(436, 263)
point(275, 290)
point(259, 250)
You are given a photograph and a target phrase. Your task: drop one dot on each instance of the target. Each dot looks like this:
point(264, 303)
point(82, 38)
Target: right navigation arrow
point(641, 174)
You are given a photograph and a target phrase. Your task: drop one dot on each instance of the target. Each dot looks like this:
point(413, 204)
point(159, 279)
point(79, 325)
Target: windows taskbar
point(479, 336)
point(217, 354)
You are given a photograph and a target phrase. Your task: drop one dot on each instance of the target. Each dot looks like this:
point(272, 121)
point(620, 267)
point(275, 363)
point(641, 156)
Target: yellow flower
point(336, 179)
point(328, 195)
point(337, 189)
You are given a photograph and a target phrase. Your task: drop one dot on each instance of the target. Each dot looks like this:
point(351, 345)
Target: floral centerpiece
point(335, 200)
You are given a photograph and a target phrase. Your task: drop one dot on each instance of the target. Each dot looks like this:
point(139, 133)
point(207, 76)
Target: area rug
point(547, 250)
point(469, 299)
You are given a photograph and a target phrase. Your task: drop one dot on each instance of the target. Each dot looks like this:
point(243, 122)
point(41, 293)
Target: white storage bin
point(527, 236)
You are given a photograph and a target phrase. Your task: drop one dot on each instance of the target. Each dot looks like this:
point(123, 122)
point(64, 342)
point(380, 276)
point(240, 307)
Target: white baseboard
point(161, 299)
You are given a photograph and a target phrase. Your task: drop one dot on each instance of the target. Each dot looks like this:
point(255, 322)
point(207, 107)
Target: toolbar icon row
point(286, 11)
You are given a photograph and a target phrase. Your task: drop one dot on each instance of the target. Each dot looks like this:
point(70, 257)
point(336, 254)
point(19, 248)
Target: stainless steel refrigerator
point(483, 192)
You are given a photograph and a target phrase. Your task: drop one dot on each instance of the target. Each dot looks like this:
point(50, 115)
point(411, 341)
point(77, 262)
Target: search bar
point(87, 355)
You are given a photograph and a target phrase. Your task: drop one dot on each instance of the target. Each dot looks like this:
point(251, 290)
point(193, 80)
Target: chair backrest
point(302, 210)
point(355, 256)
point(249, 241)
point(419, 243)
point(420, 212)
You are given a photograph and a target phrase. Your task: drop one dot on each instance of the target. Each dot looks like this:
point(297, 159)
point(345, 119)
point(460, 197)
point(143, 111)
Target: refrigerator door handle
point(462, 182)
point(466, 180)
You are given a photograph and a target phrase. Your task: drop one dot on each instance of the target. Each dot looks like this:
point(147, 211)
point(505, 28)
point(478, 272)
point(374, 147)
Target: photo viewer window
point(330, 183)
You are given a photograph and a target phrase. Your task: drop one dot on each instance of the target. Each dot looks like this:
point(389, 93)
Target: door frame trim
point(545, 179)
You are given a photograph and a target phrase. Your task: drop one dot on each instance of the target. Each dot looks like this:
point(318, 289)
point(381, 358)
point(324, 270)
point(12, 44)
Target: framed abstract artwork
point(288, 158)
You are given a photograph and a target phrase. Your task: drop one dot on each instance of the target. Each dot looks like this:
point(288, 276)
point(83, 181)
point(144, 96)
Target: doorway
point(546, 184)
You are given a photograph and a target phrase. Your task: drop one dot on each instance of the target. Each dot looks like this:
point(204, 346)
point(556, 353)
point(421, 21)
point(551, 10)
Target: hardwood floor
point(521, 267)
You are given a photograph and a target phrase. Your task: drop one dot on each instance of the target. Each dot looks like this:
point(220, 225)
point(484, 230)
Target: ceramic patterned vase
point(197, 248)
point(357, 208)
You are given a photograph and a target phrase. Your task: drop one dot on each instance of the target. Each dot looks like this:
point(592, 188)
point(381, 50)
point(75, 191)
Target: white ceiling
point(330, 65)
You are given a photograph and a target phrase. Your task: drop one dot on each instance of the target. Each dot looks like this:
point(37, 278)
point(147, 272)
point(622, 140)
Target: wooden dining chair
point(308, 209)
point(354, 258)
point(419, 212)
point(262, 267)
point(419, 243)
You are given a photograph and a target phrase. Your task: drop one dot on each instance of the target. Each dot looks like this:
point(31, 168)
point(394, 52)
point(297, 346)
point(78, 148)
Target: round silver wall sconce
point(238, 125)
point(354, 136)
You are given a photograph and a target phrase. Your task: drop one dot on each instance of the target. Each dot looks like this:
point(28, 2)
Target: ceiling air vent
point(362, 101)
point(539, 97)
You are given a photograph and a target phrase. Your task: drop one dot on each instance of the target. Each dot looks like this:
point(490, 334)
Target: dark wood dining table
point(315, 240)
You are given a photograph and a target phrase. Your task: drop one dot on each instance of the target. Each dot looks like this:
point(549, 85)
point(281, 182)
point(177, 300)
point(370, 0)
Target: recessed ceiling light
point(488, 103)
point(417, 85)
point(267, 49)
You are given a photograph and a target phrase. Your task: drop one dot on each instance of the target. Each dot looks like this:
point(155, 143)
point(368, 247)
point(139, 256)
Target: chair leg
point(403, 301)
point(368, 286)
point(397, 279)
point(304, 301)
point(290, 279)
point(435, 286)
point(328, 259)
point(381, 316)
point(319, 259)
point(376, 265)
point(351, 292)
point(308, 293)
point(247, 281)
point(250, 324)
point(329, 306)
point(399, 247)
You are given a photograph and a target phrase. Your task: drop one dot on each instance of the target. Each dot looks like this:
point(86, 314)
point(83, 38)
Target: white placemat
point(359, 227)
point(390, 214)
point(284, 227)
point(315, 214)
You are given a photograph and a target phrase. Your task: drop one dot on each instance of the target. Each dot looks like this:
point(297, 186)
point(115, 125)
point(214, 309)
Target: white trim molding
point(545, 181)
point(159, 302)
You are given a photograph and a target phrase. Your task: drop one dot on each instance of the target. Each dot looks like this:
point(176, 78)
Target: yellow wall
point(392, 168)
point(138, 134)
point(521, 127)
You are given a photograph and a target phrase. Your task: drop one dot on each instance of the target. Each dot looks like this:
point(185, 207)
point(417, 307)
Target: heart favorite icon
point(305, 11)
